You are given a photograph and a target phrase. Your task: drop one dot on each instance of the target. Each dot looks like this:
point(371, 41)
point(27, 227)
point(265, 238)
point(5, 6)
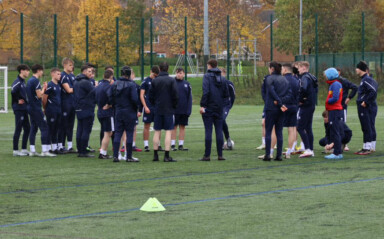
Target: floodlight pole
point(206, 35)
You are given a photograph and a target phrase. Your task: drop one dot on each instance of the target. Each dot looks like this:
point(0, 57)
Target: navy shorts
point(290, 118)
point(165, 122)
point(107, 124)
point(148, 118)
point(181, 119)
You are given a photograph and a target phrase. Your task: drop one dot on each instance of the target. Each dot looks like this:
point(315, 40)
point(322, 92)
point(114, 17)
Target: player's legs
point(218, 122)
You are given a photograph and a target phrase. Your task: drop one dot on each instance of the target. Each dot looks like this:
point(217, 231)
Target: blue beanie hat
point(331, 73)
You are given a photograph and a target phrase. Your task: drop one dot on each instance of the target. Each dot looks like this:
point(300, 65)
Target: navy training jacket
point(184, 105)
point(19, 92)
point(277, 89)
point(308, 90)
point(215, 91)
point(163, 94)
point(102, 99)
point(84, 96)
point(367, 91)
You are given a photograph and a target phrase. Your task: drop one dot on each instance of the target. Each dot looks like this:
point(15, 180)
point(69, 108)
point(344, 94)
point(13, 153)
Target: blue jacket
point(84, 97)
point(102, 99)
point(146, 85)
point(347, 85)
point(67, 98)
point(228, 102)
point(367, 91)
point(308, 90)
point(19, 92)
point(54, 98)
point(264, 89)
point(123, 96)
point(163, 94)
point(34, 103)
point(215, 90)
point(294, 84)
point(277, 87)
point(184, 106)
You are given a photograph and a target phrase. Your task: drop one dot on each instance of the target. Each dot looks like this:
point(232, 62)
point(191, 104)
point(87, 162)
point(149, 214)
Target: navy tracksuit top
point(84, 96)
point(163, 94)
point(308, 90)
point(19, 92)
point(347, 85)
point(102, 99)
point(215, 90)
point(294, 84)
point(229, 101)
point(367, 91)
point(123, 96)
point(54, 98)
point(277, 89)
point(184, 106)
point(34, 103)
point(67, 98)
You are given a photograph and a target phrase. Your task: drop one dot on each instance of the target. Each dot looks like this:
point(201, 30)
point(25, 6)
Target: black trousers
point(211, 119)
point(21, 123)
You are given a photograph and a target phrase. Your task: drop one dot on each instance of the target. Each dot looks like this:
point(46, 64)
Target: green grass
point(48, 190)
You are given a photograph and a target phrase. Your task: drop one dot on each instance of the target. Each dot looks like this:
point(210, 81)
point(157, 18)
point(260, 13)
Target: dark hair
point(179, 70)
point(126, 71)
point(67, 60)
point(85, 67)
point(155, 69)
point(164, 66)
point(325, 114)
point(288, 67)
point(276, 66)
point(212, 63)
point(90, 64)
point(108, 74)
point(23, 67)
point(108, 67)
point(36, 68)
point(54, 69)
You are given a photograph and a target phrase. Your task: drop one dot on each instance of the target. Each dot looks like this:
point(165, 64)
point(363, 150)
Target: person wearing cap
point(335, 112)
point(367, 108)
point(124, 97)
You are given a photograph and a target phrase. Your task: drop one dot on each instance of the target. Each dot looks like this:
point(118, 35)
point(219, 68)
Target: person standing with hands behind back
point(215, 90)
point(278, 93)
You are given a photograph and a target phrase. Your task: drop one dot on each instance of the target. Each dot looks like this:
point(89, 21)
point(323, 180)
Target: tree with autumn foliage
point(244, 23)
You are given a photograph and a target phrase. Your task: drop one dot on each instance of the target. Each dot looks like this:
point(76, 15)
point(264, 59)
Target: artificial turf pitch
point(242, 197)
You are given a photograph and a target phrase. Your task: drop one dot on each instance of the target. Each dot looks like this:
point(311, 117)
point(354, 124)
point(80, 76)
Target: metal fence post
point(151, 40)
point(317, 46)
point(86, 39)
point(117, 47)
point(363, 35)
point(228, 47)
point(186, 50)
point(21, 38)
point(55, 40)
point(271, 37)
point(142, 49)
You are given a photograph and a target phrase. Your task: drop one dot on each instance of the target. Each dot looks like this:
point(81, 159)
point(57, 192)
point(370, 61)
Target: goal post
point(3, 89)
